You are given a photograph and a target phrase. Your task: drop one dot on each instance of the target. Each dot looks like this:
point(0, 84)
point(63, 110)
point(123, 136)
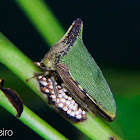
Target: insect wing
point(85, 71)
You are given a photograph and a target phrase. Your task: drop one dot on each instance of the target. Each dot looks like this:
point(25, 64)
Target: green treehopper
point(69, 62)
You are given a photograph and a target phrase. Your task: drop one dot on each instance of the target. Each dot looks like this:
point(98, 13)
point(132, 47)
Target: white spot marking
point(83, 112)
point(80, 110)
point(69, 98)
point(64, 90)
point(61, 91)
point(79, 117)
point(46, 90)
point(59, 96)
point(72, 113)
point(76, 104)
point(70, 106)
point(53, 96)
point(77, 113)
point(67, 102)
point(52, 91)
point(49, 80)
point(65, 108)
point(62, 100)
point(58, 100)
point(74, 108)
point(60, 105)
point(51, 87)
point(72, 102)
point(69, 111)
point(44, 78)
point(39, 77)
point(43, 83)
point(59, 87)
point(66, 97)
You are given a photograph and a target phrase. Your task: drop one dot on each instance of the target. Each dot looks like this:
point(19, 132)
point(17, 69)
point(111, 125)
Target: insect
point(69, 61)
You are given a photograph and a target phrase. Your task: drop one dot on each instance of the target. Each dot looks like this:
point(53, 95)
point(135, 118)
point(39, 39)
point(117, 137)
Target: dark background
point(111, 34)
point(111, 28)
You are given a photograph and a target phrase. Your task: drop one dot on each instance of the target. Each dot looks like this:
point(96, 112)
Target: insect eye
point(42, 65)
point(47, 63)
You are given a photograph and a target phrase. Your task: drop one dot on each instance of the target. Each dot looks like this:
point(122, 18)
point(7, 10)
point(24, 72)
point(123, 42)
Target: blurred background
point(111, 34)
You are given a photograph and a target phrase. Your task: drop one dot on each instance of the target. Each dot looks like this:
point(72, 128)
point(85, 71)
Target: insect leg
point(46, 73)
point(54, 85)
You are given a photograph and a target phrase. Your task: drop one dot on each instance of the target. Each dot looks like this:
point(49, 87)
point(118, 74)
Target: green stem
point(32, 120)
point(96, 129)
point(16, 61)
point(43, 19)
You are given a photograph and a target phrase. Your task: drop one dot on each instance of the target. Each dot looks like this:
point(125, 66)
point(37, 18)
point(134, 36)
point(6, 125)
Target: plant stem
point(32, 120)
point(17, 62)
point(43, 19)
